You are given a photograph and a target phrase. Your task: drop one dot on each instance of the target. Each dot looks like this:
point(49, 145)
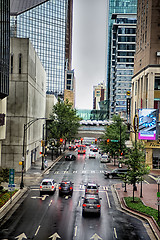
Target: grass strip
point(140, 207)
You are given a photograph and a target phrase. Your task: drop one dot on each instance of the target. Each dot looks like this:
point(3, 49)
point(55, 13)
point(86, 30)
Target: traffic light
point(81, 140)
point(61, 140)
point(121, 153)
point(96, 141)
point(108, 141)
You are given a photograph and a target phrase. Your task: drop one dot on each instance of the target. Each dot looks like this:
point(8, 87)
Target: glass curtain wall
point(116, 6)
point(45, 26)
point(4, 47)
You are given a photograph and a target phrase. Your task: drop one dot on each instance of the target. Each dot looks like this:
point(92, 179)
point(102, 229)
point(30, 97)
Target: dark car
point(115, 173)
point(72, 147)
point(91, 204)
point(91, 188)
point(66, 188)
point(70, 157)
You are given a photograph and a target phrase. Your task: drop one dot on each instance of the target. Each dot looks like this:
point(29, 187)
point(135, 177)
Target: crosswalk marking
point(79, 172)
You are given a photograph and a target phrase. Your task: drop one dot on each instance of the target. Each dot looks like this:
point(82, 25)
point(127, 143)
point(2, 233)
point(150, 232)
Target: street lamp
point(25, 127)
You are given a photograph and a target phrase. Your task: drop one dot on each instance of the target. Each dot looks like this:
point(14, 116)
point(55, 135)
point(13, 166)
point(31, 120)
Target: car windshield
point(46, 183)
point(91, 187)
point(91, 201)
point(65, 184)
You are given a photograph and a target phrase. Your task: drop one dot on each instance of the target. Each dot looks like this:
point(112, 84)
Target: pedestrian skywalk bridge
point(79, 172)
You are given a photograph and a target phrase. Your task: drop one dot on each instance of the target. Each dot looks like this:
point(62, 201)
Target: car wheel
point(98, 214)
point(40, 194)
point(110, 176)
point(60, 194)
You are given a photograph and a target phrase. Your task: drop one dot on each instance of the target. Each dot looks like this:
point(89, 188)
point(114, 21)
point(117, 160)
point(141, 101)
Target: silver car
point(91, 188)
point(91, 204)
point(47, 186)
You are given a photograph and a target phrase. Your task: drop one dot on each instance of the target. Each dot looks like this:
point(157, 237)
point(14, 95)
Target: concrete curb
point(136, 213)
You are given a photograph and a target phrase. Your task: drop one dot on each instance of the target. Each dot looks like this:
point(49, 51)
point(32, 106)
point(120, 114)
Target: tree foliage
point(136, 165)
point(115, 131)
point(64, 122)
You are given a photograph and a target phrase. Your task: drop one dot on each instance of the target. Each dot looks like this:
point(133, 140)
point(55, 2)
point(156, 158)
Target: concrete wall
point(3, 107)
point(50, 101)
point(26, 102)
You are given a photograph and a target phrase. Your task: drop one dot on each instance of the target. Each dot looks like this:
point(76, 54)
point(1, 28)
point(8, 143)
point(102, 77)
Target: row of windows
point(126, 20)
point(126, 46)
point(126, 39)
point(127, 30)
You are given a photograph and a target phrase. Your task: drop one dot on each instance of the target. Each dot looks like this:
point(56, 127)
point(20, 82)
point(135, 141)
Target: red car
point(72, 147)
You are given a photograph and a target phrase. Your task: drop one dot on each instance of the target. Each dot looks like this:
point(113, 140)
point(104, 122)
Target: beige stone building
point(26, 102)
point(146, 79)
point(69, 91)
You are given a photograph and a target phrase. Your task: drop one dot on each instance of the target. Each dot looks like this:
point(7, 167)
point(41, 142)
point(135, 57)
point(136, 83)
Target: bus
point(82, 149)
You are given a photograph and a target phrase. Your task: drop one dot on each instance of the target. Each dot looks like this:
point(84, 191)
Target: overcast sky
point(89, 44)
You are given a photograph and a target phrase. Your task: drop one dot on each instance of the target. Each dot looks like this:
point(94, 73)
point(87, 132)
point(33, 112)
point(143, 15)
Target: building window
point(157, 83)
point(20, 63)
point(11, 63)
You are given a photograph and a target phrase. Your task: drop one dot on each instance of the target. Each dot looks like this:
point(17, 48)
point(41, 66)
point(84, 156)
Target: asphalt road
point(54, 217)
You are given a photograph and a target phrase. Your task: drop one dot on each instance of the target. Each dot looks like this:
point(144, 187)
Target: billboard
point(148, 119)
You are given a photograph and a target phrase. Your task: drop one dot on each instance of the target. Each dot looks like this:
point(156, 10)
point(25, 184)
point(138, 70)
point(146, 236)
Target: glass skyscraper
point(115, 6)
point(122, 61)
point(45, 24)
point(4, 48)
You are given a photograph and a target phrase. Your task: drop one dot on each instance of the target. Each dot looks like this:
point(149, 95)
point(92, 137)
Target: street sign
point(11, 176)
point(11, 187)
point(158, 195)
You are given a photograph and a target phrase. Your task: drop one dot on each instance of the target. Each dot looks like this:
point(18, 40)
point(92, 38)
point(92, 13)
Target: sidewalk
point(149, 197)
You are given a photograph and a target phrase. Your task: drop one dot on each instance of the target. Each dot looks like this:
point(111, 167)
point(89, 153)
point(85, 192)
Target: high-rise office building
point(4, 65)
point(48, 25)
point(122, 61)
point(4, 48)
point(115, 6)
point(146, 78)
point(99, 94)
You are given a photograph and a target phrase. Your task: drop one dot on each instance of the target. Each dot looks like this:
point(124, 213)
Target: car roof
point(47, 180)
point(91, 184)
point(89, 196)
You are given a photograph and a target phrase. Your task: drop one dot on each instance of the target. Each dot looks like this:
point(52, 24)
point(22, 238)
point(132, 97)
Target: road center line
point(115, 233)
point(75, 232)
point(37, 230)
point(50, 203)
point(109, 205)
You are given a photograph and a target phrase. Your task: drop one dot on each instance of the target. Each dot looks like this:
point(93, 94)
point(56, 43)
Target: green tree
point(64, 122)
point(136, 165)
point(115, 131)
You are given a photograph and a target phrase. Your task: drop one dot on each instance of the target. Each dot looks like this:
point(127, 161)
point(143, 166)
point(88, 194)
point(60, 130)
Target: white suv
point(47, 185)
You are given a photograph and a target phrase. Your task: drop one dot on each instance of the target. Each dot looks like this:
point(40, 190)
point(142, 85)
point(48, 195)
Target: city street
point(60, 217)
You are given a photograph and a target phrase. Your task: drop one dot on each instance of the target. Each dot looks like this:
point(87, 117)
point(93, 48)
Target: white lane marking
point(75, 231)
point(37, 230)
point(50, 203)
point(109, 205)
point(146, 182)
point(115, 233)
point(79, 204)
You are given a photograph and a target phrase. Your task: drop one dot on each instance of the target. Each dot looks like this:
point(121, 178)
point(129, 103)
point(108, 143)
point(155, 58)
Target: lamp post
point(25, 127)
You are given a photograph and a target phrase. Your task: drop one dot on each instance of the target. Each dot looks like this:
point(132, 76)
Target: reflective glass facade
point(45, 26)
point(87, 114)
point(4, 47)
point(122, 61)
point(116, 6)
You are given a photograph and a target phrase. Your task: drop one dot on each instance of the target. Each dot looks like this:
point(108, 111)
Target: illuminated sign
point(147, 123)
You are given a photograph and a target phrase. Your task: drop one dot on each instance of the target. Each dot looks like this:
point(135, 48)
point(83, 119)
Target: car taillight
point(86, 190)
point(60, 188)
point(71, 188)
point(40, 186)
point(98, 206)
point(52, 187)
point(97, 190)
point(84, 205)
